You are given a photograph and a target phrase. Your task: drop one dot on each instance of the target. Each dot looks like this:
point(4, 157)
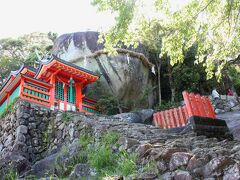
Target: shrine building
point(55, 84)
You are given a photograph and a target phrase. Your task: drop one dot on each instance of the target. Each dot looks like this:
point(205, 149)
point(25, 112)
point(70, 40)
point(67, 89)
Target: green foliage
point(127, 163)
point(26, 49)
point(108, 105)
point(234, 73)
point(213, 25)
point(103, 159)
point(10, 108)
point(110, 138)
point(167, 105)
point(84, 140)
point(100, 156)
point(151, 166)
point(66, 116)
point(10, 174)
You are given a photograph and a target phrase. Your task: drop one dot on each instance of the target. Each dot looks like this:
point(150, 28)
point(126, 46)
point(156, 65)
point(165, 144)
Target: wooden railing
point(88, 105)
point(36, 93)
point(195, 105)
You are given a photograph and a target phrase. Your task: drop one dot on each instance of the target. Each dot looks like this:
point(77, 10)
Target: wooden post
point(79, 96)
point(65, 96)
point(187, 103)
point(52, 91)
point(21, 87)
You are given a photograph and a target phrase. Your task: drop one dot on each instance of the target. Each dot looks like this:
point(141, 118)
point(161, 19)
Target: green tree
point(212, 24)
point(26, 49)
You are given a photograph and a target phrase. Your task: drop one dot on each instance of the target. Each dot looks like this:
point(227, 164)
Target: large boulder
point(126, 75)
point(143, 116)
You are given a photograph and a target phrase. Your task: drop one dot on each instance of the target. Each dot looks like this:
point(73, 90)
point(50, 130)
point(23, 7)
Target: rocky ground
point(159, 154)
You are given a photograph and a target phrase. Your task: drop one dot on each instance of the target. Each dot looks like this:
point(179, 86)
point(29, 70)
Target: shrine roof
point(47, 61)
point(13, 74)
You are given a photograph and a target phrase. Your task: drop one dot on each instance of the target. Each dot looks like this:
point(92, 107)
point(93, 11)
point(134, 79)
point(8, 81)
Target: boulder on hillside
point(143, 116)
point(126, 75)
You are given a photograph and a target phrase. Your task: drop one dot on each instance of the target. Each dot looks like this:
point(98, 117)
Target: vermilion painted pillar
point(79, 96)
point(65, 97)
point(8, 95)
point(52, 91)
point(21, 87)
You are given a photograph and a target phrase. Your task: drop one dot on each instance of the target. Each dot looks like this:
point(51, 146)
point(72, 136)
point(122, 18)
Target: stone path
point(233, 122)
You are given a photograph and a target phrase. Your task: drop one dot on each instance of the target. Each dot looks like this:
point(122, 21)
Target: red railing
point(88, 105)
point(195, 105)
point(34, 91)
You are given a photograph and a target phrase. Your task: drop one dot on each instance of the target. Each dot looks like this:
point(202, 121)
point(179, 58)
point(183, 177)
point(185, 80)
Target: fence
point(88, 105)
point(35, 92)
point(195, 105)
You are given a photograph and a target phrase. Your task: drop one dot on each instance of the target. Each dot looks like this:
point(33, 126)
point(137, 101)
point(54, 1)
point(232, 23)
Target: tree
point(212, 24)
point(26, 49)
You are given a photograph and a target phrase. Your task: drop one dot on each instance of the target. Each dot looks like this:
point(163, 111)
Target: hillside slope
point(39, 143)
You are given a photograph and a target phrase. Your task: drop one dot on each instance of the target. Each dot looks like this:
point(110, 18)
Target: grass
point(127, 164)
point(9, 109)
point(110, 138)
point(99, 156)
point(66, 116)
point(103, 159)
point(10, 174)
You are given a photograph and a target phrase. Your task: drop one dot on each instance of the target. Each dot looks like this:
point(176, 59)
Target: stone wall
point(34, 131)
point(24, 131)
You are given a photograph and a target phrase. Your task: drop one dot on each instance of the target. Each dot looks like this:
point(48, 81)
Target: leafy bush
point(167, 105)
point(127, 164)
point(234, 73)
point(103, 159)
point(108, 105)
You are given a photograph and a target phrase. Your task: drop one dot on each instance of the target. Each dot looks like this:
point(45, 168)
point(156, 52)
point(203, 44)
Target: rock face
point(126, 75)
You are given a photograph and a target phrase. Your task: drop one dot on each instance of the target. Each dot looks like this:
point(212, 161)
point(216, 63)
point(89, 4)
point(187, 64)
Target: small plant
point(103, 159)
point(108, 105)
point(151, 166)
point(84, 140)
point(10, 108)
point(110, 138)
point(127, 164)
point(10, 174)
point(66, 116)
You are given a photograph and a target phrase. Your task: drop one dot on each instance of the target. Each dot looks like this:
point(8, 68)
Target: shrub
point(167, 105)
point(108, 105)
point(103, 159)
point(127, 164)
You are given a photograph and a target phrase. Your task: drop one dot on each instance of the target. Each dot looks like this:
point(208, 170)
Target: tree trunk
point(172, 87)
point(159, 83)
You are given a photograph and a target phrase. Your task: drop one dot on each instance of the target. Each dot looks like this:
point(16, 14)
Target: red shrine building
point(56, 84)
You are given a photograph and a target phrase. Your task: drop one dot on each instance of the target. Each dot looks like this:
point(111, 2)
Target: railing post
point(200, 105)
point(187, 103)
point(180, 110)
point(211, 113)
point(52, 91)
point(79, 96)
point(165, 125)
